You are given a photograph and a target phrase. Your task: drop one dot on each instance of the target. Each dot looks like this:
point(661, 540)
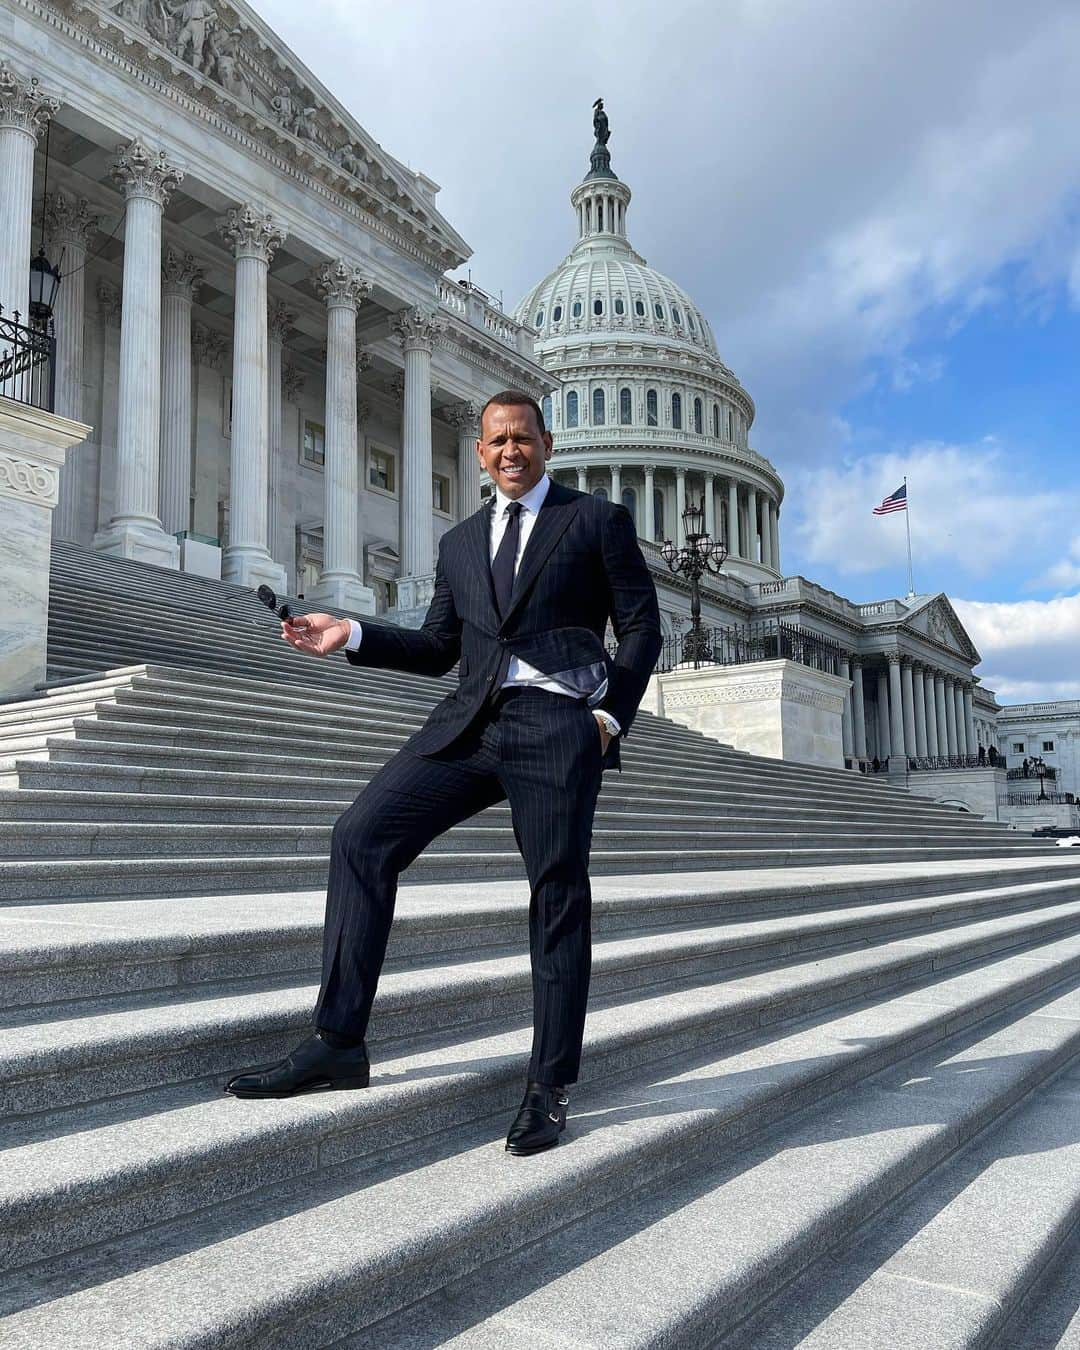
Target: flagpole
point(907, 522)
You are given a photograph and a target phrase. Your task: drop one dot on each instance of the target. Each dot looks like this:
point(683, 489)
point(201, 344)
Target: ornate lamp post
point(699, 555)
point(1039, 765)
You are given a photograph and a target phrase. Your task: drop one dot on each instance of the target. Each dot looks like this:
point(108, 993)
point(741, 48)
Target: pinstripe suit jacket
point(581, 566)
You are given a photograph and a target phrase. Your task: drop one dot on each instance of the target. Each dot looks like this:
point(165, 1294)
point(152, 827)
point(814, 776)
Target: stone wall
point(977, 790)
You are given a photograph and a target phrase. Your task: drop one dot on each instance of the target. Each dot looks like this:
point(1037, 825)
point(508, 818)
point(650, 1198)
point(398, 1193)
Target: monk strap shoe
point(539, 1121)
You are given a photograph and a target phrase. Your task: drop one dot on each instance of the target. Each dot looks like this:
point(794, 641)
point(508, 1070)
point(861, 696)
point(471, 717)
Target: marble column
point(24, 113)
point(884, 739)
point(734, 550)
point(418, 332)
point(767, 532)
point(582, 478)
point(858, 709)
point(961, 726)
point(752, 524)
point(279, 329)
point(181, 277)
point(649, 515)
point(774, 534)
point(950, 718)
point(616, 484)
point(255, 237)
point(466, 418)
point(710, 505)
point(70, 225)
point(932, 747)
point(896, 707)
point(845, 716)
point(942, 720)
point(969, 720)
point(344, 288)
point(135, 530)
point(919, 690)
point(908, 690)
point(680, 507)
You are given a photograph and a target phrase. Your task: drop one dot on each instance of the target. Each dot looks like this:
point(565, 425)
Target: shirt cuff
point(611, 723)
point(356, 633)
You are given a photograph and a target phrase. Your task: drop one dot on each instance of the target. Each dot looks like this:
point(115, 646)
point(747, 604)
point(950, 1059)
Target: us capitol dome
point(645, 412)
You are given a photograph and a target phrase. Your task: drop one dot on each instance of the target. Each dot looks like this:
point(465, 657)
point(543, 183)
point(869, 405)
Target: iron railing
point(1034, 799)
point(930, 763)
point(1049, 773)
point(27, 362)
point(742, 644)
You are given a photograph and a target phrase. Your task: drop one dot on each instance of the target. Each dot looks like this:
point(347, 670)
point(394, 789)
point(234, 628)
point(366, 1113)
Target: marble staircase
point(831, 1088)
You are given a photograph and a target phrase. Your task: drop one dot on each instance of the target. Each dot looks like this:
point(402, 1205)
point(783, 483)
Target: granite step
point(357, 1236)
point(86, 1050)
point(728, 1237)
point(953, 1261)
point(57, 954)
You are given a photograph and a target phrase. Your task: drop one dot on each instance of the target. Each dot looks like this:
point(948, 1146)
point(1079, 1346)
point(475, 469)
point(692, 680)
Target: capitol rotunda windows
point(639, 308)
point(572, 408)
point(676, 412)
point(626, 407)
point(545, 408)
point(698, 425)
point(598, 408)
point(652, 409)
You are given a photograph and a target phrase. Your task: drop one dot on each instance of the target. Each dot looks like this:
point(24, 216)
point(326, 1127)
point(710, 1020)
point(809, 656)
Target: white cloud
point(1030, 648)
point(970, 508)
point(1063, 574)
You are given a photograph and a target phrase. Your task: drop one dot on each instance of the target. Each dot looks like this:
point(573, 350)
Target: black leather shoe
point(540, 1119)
point(314, 1066)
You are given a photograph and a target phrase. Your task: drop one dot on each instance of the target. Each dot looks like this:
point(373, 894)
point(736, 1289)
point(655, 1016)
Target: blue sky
point(877, 206)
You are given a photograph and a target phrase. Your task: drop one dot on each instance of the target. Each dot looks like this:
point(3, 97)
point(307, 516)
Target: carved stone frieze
point(253, 233)
point(341, 283)
point(23, 104)
point(145, 173)
point(181, 274)
point(29, 480)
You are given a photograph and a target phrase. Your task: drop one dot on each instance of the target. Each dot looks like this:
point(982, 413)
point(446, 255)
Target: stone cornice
point(623, 365)
point(480, 353)
point(135, 54)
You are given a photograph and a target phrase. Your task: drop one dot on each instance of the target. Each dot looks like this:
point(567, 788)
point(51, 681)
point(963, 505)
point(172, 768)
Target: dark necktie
point(502, 565)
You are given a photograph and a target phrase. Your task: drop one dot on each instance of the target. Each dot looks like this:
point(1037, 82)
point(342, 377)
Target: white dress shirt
point(520, 672)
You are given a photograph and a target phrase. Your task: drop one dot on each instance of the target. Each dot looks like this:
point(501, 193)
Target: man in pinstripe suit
point(524, 589)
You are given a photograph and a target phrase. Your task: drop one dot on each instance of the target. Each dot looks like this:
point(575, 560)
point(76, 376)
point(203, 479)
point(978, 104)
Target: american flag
point(896, 502)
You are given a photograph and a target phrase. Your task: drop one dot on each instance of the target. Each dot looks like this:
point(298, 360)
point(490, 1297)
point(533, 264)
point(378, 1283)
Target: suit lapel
point(476, 536)
point(556, 513)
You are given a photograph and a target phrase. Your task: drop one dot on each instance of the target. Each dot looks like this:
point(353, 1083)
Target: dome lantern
point(601, 199)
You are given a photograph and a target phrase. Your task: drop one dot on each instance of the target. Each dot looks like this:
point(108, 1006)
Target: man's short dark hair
point(515, 398)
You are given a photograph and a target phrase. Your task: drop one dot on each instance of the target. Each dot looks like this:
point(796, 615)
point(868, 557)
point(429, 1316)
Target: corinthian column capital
point(417, 329)
point(69, 220)
point(340, 283)
point(23, 106)
point(465, 416)
point(281, 321)
point(145, 173)
point(181, 274)
point(252, 232)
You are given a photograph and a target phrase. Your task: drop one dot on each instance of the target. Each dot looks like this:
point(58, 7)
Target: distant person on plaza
point(524, 589)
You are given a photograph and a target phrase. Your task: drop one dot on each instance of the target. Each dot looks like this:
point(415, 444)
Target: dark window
point(539, 319)
point(598, 407)
point(556, 313)
point(601, 493)
point(620, 305)
point(716, 420)
point(599, 215)
point(698, 424)
point(575, 312)
point(626, 408)
point(676, 411)
point(572, 408)
point(598, 306)
point(652, 418)
point(676, 317)
point(690, 324)
point(639, 308)
point(658, 310)
point(629, 500)
point(545, 406)
point(1048, 745)
point(658, 516)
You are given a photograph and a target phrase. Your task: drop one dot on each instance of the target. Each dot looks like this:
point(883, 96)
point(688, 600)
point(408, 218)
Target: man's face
point(512, 449)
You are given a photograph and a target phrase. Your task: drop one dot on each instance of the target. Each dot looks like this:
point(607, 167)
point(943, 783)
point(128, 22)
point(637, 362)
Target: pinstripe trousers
point(540, 752)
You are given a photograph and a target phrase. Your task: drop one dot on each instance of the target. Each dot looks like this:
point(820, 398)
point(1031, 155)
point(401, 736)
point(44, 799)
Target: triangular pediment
point(934, 617)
